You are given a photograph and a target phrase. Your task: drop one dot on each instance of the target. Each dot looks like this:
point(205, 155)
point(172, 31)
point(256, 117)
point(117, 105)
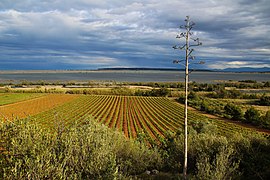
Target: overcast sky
point(90, 34)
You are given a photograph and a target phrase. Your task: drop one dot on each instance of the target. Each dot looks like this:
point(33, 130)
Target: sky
point(91, 34)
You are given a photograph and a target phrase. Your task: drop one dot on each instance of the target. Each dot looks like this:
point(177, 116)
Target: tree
point(187, 47)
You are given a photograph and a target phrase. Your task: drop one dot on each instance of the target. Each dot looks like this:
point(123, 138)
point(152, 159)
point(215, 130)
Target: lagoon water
point(130, 76)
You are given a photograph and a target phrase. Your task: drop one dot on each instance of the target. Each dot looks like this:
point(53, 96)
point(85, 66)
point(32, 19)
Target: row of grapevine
point(122, 113)
point(153, 116)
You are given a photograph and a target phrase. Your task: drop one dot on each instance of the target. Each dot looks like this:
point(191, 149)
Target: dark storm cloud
point(120, 33)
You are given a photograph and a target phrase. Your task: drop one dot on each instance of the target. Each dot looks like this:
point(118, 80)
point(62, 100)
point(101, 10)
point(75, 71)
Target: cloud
point(238, 64)
point(92, 34)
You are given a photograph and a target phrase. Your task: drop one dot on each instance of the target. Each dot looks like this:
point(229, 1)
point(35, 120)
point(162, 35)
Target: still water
point(131, 76)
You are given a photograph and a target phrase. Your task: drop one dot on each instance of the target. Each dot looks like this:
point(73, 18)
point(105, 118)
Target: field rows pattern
point(155, 116)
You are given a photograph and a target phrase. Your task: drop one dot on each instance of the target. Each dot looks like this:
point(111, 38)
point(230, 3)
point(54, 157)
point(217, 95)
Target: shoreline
point(116, 70)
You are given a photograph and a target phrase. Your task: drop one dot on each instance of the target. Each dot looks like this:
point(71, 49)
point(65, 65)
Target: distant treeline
point(158, 88)
point(243, 84)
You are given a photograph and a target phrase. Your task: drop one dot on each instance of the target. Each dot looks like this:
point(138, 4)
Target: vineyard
point(152, 116)
point(32, 105)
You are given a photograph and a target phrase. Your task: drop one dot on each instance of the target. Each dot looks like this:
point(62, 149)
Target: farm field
point(29, 107)
point(8, 98)
point(132, 115)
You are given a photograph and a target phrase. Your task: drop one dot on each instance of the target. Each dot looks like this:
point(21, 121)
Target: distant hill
point(148, 69)
point(244, 69)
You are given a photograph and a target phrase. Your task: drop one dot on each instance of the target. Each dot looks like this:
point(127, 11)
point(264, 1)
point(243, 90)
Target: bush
point(204, 106)
point(161, 92)
point(265, 120)
point(92, 151)
point(233, 111)
point(252, 115)
point(265, 100)
point(86, 151)
point(216, 159)
point(209, 156)
point(193, 96)
point(267, 84)
point(254, 154)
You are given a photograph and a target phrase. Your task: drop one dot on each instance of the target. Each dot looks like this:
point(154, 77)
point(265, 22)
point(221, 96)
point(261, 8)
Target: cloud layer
point(88, 34)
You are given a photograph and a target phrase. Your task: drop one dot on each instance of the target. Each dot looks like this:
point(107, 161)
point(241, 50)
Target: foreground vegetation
point(90, 150)
point(67, 135)
point(86, 151)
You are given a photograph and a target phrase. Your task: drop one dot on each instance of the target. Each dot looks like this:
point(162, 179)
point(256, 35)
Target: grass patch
point(9, 98)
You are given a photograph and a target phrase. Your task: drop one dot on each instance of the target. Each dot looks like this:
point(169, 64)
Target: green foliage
point(160, 92)
point(252, 115)
point(218, 162)
point(233, 111)
point(228, 110)
point(267, 84)
point(193, 96)
point(211, 156)
point(249, 81)
point(8, 98)
point(122, 91)
point(254, 154)
point(85, 151)
point(204, 106)
point(181, 98)
point(265, 120)
point(90, 150)
point(265, 100)
point(222, 93)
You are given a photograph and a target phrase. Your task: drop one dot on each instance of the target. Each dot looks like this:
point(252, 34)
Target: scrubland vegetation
point(90, 150)
point(233, 104)
point(93, 133)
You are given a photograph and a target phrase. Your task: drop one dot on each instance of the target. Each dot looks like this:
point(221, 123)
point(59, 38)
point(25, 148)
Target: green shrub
point(85, 151)
point(265, 100)
point(233, 111)
point(265, 120)
point(215, 159)
point(209, 155)
point(252, 115)
point(267, 84)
